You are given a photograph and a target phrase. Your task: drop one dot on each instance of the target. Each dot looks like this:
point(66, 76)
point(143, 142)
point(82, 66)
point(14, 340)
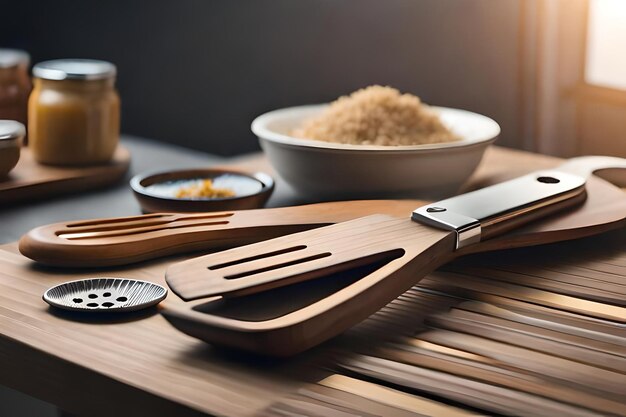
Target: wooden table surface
point(30, 181)
point(139, 365)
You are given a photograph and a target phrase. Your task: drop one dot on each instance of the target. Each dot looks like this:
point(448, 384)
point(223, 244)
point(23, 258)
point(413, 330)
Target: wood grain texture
point(404, 249)
point(124, 240)
point(495, 364)
point(152, 369)
point(59, 356)
point(171, 234)
point(31, 181)
point(493, 374)
point(391, 253)
point(141, 366)
point(118, 241)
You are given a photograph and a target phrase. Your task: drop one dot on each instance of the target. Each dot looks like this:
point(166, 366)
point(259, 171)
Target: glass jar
point(73, 112)
point(14, 84)
point(11, 136)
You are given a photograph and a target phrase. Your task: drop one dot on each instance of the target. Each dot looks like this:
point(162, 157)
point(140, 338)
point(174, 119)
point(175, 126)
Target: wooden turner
point(124, 240)
point(288, 294)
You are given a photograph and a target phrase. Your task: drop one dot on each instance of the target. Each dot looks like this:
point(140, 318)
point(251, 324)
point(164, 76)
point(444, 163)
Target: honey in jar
point(73, 112)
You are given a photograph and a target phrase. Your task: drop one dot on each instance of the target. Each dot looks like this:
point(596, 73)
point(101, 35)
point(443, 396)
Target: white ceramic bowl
point(321, 170)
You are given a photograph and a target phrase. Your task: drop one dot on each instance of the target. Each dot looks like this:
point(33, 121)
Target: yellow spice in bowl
point(204, 189)
point(377, 115)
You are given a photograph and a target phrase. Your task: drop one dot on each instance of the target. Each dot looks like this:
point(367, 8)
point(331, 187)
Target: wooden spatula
point(264, 297)
point(124, 240)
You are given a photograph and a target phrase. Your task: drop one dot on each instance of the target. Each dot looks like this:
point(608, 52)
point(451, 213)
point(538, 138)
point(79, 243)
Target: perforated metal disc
point(105, 294)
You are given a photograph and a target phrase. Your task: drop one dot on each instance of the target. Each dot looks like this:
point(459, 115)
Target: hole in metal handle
point(435, 209)
point(549, 180)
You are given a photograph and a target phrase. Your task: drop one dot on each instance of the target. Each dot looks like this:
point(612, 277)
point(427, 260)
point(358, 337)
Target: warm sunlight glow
point(606, 44)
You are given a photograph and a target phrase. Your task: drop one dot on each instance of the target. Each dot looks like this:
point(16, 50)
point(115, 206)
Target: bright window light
point(606, 44)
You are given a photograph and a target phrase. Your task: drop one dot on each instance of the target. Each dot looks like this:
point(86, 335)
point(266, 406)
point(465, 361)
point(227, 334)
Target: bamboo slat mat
point(538, 331)
point(535, 331)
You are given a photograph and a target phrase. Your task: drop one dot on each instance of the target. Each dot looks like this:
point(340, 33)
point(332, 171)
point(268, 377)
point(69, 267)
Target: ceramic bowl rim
point(260, 128)
point(266, 180)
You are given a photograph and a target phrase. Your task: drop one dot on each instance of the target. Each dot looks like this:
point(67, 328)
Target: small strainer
point(105, 294)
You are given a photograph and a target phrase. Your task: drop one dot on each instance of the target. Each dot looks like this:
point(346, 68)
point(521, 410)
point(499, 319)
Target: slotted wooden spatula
point(124, 240)
point(288, 294)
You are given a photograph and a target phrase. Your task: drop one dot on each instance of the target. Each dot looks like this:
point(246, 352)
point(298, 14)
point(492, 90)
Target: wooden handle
point(123, 240)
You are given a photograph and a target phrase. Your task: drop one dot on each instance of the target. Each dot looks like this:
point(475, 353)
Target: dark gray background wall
point(196, 72)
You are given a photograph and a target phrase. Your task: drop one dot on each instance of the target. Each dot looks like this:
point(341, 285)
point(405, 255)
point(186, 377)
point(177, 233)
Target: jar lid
point(11, 130)
point(10, 58)
point(74, 69)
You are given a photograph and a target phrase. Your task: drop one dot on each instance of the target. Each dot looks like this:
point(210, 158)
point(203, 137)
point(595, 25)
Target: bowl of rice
point(375, 143)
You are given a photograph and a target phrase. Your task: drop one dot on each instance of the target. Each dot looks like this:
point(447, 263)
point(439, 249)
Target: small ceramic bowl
point(320, 169)
point(156, 192)
point(11, 135)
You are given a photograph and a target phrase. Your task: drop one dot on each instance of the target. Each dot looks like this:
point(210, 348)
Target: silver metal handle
point(517, 201)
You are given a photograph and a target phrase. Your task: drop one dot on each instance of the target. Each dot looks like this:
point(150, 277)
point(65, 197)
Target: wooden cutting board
point(30, 181)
